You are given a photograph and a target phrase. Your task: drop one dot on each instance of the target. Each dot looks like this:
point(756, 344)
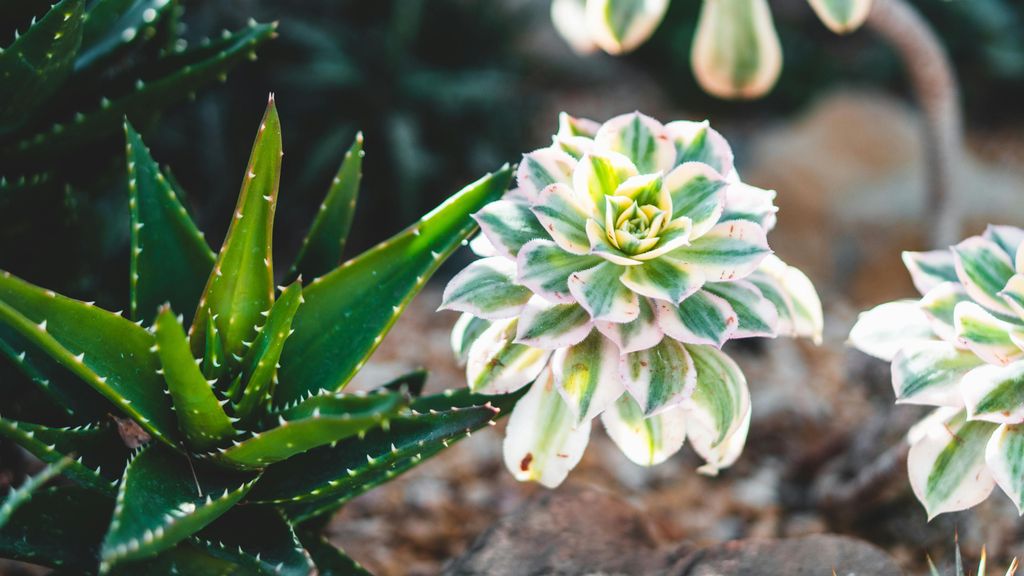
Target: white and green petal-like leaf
point(987, 336)
point(509, 225)
point(755, 314)
point(542, 168)
point(929, 373)
point(563, 218)
point(1009, 238)
point(1013, 294)
point(601, 247)
point(587, 375)
point(663, 279)
point(569, 19)
point(728, 251)
point(639, 334)
point(676, 234)
point(717, 455)
point(946, 463)
point(496, 364)
point(599, 174)
point(1004, 455)
point(619, 26)
point(842, 16)
point(603, 295)
point(571, 127)
point(542, 441)
point(482, 247)
point(984, 269)
point(929, 269)
point(659, 378)
point(746, 202)
point(699, 142)
point(486, 288)
point(939, 304)
point(544, 268)
point(464, 333)
point(794, 297)
point(736, 51)
point(885, 329)
point(547, 325)
point(640, 138)
point(995, 393)
point(646, 441)
point(703, 318)
point(721, 401)
point(698, 192)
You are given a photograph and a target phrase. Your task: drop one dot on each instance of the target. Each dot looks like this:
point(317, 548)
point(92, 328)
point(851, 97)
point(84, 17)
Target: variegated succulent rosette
point(960, 348)
point(628, 254)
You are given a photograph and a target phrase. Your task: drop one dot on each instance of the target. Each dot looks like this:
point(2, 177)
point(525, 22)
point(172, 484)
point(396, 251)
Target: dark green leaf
point(170, 259)
point(257, 537)
point(328, 558)
point(348, 311)
point(23, 493)
point(411, 383)
point(113, 25)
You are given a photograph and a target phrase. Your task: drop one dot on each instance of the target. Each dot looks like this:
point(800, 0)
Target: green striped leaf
point(721, 399)
point(755, 314)
point(984, 269)
point(241, 287)
point(97, 451)
point(604, 297)
point(698, 193)
point(465, 332)
point(939, 304)
point(639, 334)
point(842, 16)
point(170, 258)
point(698, 142)
point(200, 414)
point(929, 373)
point(664, 279)
point(995, 393)
point(1013, 294)
point(543, 441)
point(36, 64)
point(620, 26)
point(105, 350)
point(563, 218)
point(324, 244)
point(717, 453)
point(795, 299)
point(746, 202)
point(640, 138)
point(946, 462)
point(645, 440)
point(160, 503)
point(929, 269)
point(1009, 238)
point(736, 52)
point(883, 330)
point(486, 288)
point(599, 174)
point(659, 378)
point(543, 324)
point(1004, 456)
point(703, 318)
point(509, 225)
point(992, 339)
point(728, 251)
point(587, 376)
point(347, 312)
point(499, 365)
point(542, 168)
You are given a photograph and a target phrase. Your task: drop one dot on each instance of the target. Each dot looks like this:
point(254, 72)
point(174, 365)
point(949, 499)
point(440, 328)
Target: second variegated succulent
point(959, 348)
point(628, 254)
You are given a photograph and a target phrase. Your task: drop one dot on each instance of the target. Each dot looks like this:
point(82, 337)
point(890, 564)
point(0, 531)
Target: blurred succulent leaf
point(569, 18)
point(620, 26)
point(241, 287)
point(18, 496)
point(842, 16)
point(348, 311)
point(96, 451)
point(160, 503)
point(60, 527)
point(721, 399)
point(328, 558)
point(324, 244)
point(110, 353)
point(645, 440)
point(170, 258)
point(113, 25)
point(736, 52)
point(411, 383)
point(33, 68)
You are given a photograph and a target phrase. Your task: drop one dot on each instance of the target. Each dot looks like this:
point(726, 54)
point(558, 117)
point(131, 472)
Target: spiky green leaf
point(60, 527)
point(97, 452)
point(18, 496)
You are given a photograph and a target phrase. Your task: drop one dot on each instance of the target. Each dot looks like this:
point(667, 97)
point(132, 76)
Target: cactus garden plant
point(959, 348)
point(210, 432)
point(626, 256)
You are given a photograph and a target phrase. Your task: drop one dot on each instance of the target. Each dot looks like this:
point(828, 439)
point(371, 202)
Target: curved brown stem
point(935, 87)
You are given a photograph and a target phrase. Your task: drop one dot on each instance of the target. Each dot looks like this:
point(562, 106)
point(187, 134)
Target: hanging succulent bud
point(569, 18)
point(842, 16)
point(736, 52)
point(615, 26)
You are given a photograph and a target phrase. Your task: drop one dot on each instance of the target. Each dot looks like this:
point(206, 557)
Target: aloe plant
point(982, 564)
point(628, 255)
point(220, 443)
point(960, 348)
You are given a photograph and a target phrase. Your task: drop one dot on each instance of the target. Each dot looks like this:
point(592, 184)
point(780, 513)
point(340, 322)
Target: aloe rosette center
point(627, 255)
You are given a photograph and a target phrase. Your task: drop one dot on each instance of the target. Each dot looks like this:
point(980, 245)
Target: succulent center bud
point(632, 227)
